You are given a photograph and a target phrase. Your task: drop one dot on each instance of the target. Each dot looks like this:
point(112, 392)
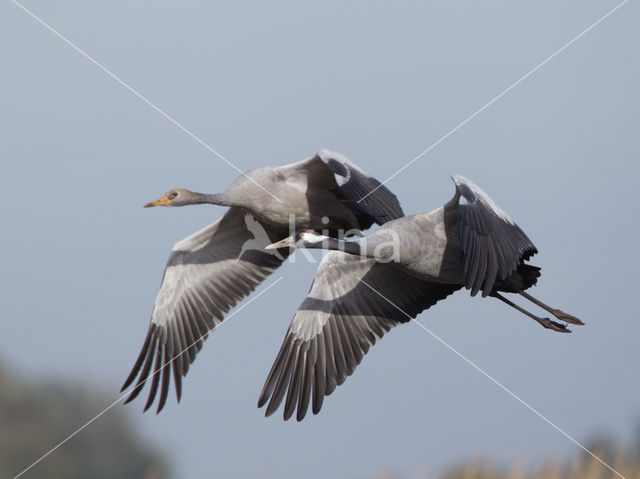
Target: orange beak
point(162, 201)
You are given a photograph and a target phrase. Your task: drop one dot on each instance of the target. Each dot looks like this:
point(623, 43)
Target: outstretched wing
point(204, 278)
point(367, 193)
point(492, 244)
point(351, 304)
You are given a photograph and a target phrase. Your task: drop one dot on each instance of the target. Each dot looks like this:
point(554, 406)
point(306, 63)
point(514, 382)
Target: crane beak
point(281, 244)
point(162, 201)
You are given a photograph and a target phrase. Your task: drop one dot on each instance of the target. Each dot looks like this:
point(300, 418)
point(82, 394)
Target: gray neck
point(211, 198)
point(349, 247)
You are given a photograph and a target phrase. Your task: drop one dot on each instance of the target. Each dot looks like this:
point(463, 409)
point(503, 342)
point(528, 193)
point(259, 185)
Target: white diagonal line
point(126, 393)
point(504, 92)
point(139, 95)
point(495, 381)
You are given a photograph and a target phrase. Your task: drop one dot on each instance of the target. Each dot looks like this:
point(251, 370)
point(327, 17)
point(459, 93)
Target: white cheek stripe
point(313, 236)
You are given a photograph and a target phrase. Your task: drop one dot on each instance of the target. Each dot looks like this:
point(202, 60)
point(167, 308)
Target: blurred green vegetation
point(35, 416)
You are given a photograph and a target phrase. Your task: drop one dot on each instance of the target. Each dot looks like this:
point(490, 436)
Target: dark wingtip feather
point(274, 374)
point(154, 382)
point(141, 357)
point(166, 377)
point(177, 380)
point(294, 386)
point(262, 400)
point(134, 394)
point(319, 371)
point(269, 412)
point(283, 382)
point(144, 374)
point(307, 380)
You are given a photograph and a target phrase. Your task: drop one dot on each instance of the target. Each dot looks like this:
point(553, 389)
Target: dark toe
point(561, 328)
point(562, 316)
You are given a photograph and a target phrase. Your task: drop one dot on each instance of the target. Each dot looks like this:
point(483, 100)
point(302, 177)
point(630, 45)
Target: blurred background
point(269, 84)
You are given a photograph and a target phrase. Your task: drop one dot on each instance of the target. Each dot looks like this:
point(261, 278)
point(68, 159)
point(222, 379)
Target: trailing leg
point(546, 322)
point(561, 315)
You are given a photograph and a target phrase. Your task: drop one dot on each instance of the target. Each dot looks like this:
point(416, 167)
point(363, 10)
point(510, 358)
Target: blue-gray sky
point(270, 83)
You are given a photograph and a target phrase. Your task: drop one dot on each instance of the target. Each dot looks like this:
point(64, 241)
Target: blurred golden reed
point(624, 460)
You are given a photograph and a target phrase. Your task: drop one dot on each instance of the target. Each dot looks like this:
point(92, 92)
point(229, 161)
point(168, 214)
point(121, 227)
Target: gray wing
point(492, 244)
point(354, 184)
point(203, 280)
point(351, 304)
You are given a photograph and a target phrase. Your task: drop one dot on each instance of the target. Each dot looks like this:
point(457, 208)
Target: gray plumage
point(372, 284)
point(212, 270)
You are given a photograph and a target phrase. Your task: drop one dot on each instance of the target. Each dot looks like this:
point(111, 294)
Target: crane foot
point(547, 323)
point(562, 316)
